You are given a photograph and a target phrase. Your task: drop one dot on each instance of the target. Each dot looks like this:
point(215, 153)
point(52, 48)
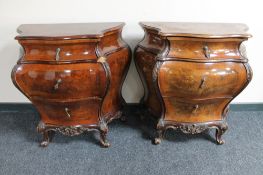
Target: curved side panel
point(116, 56)
point(118, 63)
point(145, 62)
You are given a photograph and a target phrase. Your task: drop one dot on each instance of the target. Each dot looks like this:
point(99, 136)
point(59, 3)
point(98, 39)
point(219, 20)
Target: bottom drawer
point(194, 111)
point(77, 112)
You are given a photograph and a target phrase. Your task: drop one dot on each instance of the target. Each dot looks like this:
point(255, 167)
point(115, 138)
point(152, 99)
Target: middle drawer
point(64, 81)
point(201, 80)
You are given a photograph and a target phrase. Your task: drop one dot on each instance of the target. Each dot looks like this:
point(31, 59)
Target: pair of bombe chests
point(73, 75)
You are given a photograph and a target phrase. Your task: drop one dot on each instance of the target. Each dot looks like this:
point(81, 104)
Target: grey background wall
point(16, 12)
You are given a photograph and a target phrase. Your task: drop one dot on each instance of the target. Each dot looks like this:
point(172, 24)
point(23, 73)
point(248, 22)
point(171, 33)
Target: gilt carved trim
point(72, 130)
point(193, 129)
point(66, 130)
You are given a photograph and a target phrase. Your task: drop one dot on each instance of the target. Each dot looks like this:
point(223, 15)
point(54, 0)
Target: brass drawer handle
point(57, 54)
point(67, 112)
point(195, 108)
point(202, 84)
point(57, 84)
point(206, 51)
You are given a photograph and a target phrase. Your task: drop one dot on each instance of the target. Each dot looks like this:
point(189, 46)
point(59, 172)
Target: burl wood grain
point(201, 80)
point(191, 72)
point(73, 81)
point(68, 113)
point(194, 49)
point(194, 111)
point(45, 51)
point(63, 81)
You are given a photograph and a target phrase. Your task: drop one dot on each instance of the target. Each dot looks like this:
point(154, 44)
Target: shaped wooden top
point(199, 30)
point(66, 31)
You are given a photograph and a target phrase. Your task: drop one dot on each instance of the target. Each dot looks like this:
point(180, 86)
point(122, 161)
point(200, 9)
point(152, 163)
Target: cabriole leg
point(46, 139)
point(160, 136)
point(103, 139)
point(220, 130)
point(103, 134)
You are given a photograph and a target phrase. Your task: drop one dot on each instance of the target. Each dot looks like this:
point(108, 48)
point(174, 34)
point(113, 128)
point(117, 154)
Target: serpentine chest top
point(73, 74)
point(191, 72)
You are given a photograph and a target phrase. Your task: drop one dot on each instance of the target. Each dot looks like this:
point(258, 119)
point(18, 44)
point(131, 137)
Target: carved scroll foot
point(103, 141)
point(103, 134)
point(220, 130)
point(160, 132)
point(160, 136)
point(46, 139)
point(41, 128)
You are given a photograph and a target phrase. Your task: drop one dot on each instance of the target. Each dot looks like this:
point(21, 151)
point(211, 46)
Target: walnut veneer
point(73, 74)
point(191, 72)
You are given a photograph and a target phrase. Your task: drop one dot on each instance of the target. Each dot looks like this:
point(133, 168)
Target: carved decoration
point(173, 57)
point(193, 129)
point(100, 46)
point(72, 130)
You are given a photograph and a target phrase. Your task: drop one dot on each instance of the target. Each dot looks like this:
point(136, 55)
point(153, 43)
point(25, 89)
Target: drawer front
point(68, 113)
point(194, 111)
point(201, 80)
point(204, 50)
point(59, 52)
point(68, 81)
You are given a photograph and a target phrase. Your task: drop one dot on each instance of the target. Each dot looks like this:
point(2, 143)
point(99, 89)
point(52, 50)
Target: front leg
point(103, 134)
point(160, 132)
point(220, 130)
point(103, 139)
point(47, 134)
point(160, 136)
point(46, 139)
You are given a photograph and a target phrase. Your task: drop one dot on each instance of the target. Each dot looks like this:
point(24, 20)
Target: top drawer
point(63, 52)
point(202, 49)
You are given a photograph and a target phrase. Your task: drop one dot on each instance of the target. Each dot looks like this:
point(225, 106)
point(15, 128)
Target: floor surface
point(132, 151)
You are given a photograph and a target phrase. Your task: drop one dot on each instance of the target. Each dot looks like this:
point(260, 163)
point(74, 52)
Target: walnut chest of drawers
point(73, 74)
point(191, 72)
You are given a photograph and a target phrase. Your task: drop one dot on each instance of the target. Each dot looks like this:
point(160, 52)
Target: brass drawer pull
point(195, 108)
point(202, 84)
point(57, 54)
point(67, 112)
point(206, 51)
point(57, 83)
